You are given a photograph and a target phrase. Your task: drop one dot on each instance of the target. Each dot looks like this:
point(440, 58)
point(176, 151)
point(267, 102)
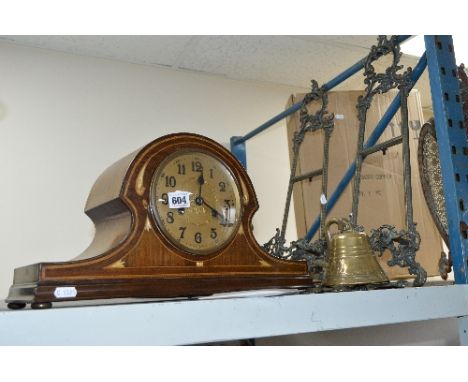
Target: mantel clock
point(173, 219)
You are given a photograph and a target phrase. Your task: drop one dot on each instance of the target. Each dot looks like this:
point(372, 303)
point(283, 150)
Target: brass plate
point(431, 177)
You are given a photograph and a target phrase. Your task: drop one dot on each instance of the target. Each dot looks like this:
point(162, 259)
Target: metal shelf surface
point(229, 317)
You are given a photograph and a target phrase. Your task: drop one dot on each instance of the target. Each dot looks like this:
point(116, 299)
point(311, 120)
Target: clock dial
point(195, 201)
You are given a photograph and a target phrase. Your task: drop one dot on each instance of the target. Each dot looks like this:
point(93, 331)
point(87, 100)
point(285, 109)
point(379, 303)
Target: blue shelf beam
point(453, 146)
point(238, 143)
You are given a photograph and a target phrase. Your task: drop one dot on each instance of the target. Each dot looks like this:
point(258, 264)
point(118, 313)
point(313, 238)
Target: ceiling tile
point(363, 41)
point(287, 60)
point(279, 59)
point(160, 50)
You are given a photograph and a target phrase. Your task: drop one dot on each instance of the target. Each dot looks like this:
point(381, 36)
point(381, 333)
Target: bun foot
point(41, 305)
point(16, 305)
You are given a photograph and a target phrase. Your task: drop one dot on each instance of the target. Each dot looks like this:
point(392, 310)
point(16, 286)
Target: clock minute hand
point(213, 210)
point(199, 200)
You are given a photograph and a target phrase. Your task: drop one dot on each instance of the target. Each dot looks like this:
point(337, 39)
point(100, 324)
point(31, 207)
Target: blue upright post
point(453, 147)
point(239, 151)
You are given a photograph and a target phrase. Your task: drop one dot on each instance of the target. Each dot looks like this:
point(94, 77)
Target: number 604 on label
point(179, 199)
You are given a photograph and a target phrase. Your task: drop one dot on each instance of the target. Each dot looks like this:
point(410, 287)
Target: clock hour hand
point(201, 182)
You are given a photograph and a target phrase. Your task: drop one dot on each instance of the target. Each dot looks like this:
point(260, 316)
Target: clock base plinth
point(41, 294)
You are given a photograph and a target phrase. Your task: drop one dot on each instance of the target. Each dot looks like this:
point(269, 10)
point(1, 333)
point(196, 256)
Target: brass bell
point(351, 260)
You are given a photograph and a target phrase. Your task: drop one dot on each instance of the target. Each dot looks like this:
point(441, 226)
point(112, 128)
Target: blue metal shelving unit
point(451, 137)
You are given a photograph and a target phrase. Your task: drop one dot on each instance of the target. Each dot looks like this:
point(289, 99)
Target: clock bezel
point(198, 255)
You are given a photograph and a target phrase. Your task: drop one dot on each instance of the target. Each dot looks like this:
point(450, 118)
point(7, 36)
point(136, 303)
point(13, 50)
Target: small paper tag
point(65, 292)
point(323, 199)
point(339, 116)
point(179, 199)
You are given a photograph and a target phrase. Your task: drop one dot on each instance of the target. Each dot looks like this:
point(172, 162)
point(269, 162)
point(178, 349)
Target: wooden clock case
point(130, 257)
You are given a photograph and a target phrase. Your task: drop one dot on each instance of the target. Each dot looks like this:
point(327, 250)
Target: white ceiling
point(287, 60)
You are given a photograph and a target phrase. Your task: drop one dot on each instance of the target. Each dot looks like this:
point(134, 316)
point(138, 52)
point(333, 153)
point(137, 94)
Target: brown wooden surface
point(130, 257)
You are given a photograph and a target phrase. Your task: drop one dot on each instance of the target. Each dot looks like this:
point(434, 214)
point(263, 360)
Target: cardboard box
point(381, 196)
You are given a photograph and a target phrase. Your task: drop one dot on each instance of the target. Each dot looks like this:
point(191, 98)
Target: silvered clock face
point(195, 201)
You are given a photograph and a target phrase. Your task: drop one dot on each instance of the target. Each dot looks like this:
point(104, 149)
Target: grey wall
point(433, 332)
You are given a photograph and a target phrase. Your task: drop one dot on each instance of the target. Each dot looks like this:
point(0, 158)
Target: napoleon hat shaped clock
point(172, 219)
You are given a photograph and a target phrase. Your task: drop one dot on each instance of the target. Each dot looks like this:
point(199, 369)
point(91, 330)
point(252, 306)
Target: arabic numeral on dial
point(228, 205)
point(213, 233)
point(182, 231)
point(211, 173)
point(197, 166)
point(170, 217)
point(170, 181)
point(181, 169)
point(198, 238)
point(164, 198)
point(222, 187)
